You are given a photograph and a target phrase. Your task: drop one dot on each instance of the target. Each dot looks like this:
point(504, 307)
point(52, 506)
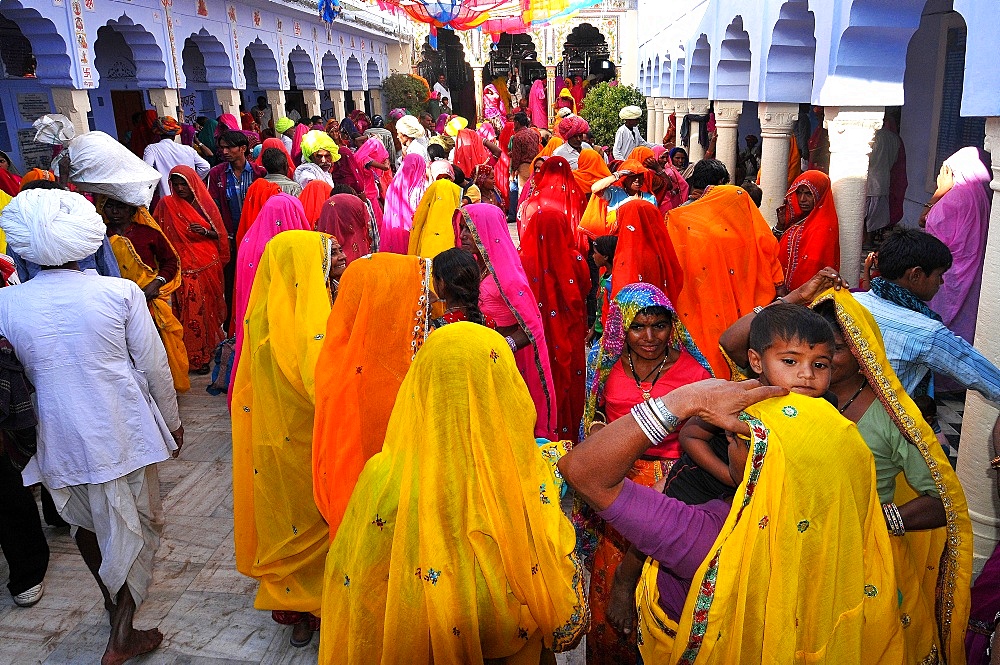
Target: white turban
point(410, 126)
point(51, 227)
point(630, 113)
point(564, 112)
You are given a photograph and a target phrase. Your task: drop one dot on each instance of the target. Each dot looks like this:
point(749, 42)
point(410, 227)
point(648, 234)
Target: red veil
point(812, 244)
point(560, 280)
point(645, 252)
point(557, 190)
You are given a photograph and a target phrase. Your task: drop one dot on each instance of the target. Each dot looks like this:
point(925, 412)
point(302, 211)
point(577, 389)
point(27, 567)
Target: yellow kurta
point(802, 569)
point(454, 548)
point(132, 268)
point(433, 222)
point(281, 538)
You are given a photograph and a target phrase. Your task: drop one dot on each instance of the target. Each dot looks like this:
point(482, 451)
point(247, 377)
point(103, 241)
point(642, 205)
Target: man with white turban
point(85, 340)
point(413, 137)
point(628, 137)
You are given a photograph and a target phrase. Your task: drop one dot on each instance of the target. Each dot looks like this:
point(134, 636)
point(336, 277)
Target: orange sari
point(729, 257)
point(257, 195)
point(199, 302)
point(379, 321)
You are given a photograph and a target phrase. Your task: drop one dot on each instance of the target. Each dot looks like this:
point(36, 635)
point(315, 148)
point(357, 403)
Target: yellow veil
point(933, 568)
point(454, 548)
point(281, 538)
point(433, 222)
point(802, 569)
point(132, 268)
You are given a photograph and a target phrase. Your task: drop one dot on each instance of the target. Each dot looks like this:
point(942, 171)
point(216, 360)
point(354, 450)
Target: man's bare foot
point(138, 643)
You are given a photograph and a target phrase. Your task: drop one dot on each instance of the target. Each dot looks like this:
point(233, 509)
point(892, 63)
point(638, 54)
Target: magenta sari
point(281, 212)
point(537, 108)
point(506, 297)
point(401, 202)
point(960, 220)
point(677, 197)
point(372, 149)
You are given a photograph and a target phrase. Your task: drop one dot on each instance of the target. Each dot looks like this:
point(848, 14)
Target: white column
point(852, 130)
point(376, 102)
point(229, 100)
point(75, 105)
point(359, 99)
point(339, 110)
point(727, 119)
point(477, 75)
point(697, 107)
point(166, 101)
point(550, 91)
point(976, 448)
point(276, 99)
point(661, 109)
point(312, 102)
point(776, 123)
point(650, 120)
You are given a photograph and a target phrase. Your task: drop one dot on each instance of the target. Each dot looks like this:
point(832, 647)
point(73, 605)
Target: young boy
point(790, 346)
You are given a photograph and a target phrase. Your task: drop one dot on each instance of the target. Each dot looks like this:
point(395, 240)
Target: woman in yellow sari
point(454, 548)
point(378, 323)
point(799, 570)
point(434, 228)
point(146, 257)
point(281, 538)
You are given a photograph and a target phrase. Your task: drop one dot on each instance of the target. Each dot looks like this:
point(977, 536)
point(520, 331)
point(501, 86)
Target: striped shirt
point(236, 188)
point(917, 344)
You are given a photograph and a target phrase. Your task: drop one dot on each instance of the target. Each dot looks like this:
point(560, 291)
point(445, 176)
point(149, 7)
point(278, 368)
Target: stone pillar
point(230, 100)
point(166, 101)
point(852, 130)
point(650, 119)
point(312, 102)
point(376, 102)
point(727, 118)
point(661, 109)
point(550, 91)
point(776, 123)
point(339, 111)
point(75, 105)
point(976, 447)
point(276, 99)
point(477, 76)
point(697, 107)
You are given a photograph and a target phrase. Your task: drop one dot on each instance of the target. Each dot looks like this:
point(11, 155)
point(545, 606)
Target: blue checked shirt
point(236, 189)
point(917, 344)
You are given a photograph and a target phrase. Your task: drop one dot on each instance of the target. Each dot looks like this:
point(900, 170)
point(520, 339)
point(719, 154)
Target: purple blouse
point(675, 534)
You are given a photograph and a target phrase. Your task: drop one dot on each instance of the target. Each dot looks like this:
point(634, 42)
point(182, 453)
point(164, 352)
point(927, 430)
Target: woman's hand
point(178, 435)
point(827, 278)
point(152, 290)
point(871, 261)
point(719, 402)
point(945, 181)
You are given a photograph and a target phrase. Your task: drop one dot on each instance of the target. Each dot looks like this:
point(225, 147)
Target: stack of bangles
point(893, 519)
point(511, 343)
point(655, 419)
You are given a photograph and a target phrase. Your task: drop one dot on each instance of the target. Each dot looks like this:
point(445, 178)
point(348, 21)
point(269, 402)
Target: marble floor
point(203, 606)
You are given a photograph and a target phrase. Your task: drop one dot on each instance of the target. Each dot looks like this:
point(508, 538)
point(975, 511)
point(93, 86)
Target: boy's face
point(795, 366)
point(922, 285)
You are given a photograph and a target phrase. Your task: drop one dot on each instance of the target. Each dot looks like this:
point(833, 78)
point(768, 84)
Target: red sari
point(259, 191)
point(809, 245)
point(645, 252)
point(313, 196)
point(560, 280)
point(198, 303)
point(556, 189)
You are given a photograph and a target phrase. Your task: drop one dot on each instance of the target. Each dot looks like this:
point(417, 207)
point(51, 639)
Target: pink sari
point(538, 109)
point(960, 220)
point(282, 212)
point(677, 197)
point(507, 298)
point(372, 149)
point(401, 202)
point(300, 131)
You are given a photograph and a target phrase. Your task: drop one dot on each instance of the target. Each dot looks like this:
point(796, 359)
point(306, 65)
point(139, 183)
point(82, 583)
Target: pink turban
point(571, 126)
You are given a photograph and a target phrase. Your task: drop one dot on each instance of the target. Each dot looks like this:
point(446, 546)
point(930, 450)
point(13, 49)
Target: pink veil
point(401, 202)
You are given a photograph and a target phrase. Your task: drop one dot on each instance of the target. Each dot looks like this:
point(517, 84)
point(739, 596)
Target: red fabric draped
point(257, 195)
point(300, 131)
point(645, 252)
point(345, 217)
point(199, 303)
point(560, 280)
point(470, 152)
point(280, 145)
point(142, 133)
point(556, 189)
point(313, 196)
point(813, 243)
point(10, 182)
point(503, 163)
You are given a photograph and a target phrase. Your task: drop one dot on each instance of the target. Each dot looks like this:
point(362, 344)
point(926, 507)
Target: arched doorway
point(206, 69)
point(516, 57)
point(260, 70)
point(301, 76)
point(586, 54)
point(355, 82)
point(449, 59)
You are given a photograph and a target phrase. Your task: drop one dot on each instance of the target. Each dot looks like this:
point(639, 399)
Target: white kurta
point(167, 154)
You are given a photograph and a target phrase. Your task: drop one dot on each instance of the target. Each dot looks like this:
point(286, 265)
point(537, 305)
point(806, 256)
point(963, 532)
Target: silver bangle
point(666, 417)
point(511, 343)
point(649, 423)
point(893, 519)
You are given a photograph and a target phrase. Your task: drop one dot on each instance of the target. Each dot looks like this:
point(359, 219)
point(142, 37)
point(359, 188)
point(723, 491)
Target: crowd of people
point(496, 387)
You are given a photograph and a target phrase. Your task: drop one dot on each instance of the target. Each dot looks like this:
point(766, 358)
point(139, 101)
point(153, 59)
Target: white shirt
point(572, 156)
point(104, 396)
point(443, 92)
point(627, 140)
point(417, 146)
point(167, 154)
point(287, 140)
